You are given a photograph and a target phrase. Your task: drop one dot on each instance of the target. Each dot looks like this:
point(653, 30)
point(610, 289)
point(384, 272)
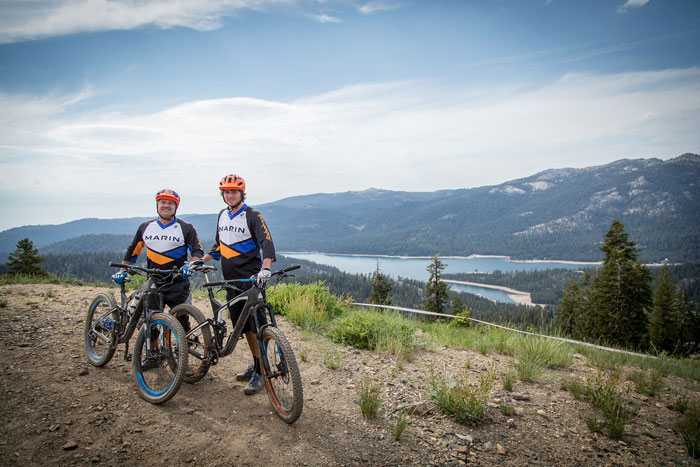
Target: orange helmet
point(232, 182)
point(168, 194)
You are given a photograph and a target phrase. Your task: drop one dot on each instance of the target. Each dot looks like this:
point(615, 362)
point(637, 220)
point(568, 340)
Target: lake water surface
point(415, 268)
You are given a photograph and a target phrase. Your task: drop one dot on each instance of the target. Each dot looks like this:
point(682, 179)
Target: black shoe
point(149, 363)
point(247, 374)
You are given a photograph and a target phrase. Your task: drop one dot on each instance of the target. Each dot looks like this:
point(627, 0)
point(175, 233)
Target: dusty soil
point(57, 409)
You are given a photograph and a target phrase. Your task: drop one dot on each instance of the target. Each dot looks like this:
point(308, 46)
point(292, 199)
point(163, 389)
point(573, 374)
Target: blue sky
point(103, 103)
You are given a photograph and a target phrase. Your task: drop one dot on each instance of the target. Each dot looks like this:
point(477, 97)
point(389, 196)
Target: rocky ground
point(57, 409)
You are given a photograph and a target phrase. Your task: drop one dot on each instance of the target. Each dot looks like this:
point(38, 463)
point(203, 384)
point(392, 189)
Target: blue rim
point(139, 374)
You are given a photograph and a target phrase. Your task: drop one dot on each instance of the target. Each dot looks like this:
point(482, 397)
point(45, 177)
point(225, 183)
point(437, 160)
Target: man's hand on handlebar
point(120, 277)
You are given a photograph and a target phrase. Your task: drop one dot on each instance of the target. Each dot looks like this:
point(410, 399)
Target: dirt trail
point(57, 409)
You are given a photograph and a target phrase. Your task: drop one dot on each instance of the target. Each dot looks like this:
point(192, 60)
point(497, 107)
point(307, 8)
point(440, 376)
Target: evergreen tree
point(436, 291)
point(25, 259)
point(621, 295)
point(569, 309)
point(381, 287)
point(460, 309)
point(664, 323)
point(689, 317)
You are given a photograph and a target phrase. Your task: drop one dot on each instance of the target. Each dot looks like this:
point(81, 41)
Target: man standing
point(167, 241)
point(240, 235)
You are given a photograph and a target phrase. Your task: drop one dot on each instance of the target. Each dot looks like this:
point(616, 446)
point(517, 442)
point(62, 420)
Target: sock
point(256, 364)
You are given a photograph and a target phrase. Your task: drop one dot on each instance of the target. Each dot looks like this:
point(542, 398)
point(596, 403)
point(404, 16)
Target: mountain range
point(555, 214)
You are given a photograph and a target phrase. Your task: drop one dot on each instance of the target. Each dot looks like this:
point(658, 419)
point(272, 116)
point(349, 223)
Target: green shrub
point(574, 386)
point(647, 382)
point(508, 379)
point(377, 331)
point(604, 394)
point(310, 306)
point(369, 398)
point(465, 404)
point(688, 429)
point(400, 427)
point(332, 358)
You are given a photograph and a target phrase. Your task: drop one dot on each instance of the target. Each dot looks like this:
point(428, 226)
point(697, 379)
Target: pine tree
point(664, 322)
point(621, 295)
point(460, 309)
point(436, 291)
point(689, 317)
point(381, 287)
point(569, 308)
point(25, 259)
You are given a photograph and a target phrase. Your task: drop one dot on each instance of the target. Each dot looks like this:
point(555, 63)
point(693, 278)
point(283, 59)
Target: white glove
point(263, 276)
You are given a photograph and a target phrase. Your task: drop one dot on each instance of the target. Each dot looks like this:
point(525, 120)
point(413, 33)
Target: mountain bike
point(208, 340)
point(160, 351)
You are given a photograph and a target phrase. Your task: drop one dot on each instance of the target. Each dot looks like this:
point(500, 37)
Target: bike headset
point(168, 194)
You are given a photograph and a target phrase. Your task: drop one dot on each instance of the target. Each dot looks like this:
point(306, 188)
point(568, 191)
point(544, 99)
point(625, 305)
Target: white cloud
point(378, 5)
point(629, 4)
point(35, 19)
point(383, 135)
point(323, 18)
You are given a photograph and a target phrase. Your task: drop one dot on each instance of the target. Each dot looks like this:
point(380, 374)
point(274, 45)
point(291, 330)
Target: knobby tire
point(160, 371)
point(198, 343)
point(283, 384)
point(101, 329)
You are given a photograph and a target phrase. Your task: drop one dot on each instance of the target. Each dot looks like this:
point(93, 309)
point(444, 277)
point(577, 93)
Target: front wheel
point(283, 382)
point(160, 369)
point(101, 329)
point(198, 342)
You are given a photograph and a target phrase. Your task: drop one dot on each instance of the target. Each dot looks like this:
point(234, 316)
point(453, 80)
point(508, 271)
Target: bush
point(603, 393)
point(688, 429)
point(648, 383)
point(465, 404)
point(310, 306)
point(376, 331)
point(369, 398)
point(535, 354)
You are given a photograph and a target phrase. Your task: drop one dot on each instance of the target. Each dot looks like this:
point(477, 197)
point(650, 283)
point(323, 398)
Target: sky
point(105, 102)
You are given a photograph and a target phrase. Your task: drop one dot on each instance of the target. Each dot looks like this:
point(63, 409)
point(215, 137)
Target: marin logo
point(163, 237)
point(231, 228)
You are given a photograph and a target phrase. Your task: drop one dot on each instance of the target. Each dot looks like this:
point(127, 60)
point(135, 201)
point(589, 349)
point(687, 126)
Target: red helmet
point(168, 194)
point(232, 182)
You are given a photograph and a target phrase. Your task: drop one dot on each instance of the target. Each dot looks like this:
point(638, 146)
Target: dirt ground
point(57, 409)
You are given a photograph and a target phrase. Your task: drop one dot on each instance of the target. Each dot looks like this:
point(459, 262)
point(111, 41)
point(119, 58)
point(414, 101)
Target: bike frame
point(254, 300)
point(138, 319)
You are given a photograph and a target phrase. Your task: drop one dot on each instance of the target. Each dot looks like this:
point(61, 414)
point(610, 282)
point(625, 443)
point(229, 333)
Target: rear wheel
point(199, 342)
point(160, 369)
point(101, 329)
point(283, 382)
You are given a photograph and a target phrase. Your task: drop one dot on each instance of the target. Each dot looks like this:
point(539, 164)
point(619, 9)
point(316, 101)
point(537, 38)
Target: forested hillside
point(555, 214)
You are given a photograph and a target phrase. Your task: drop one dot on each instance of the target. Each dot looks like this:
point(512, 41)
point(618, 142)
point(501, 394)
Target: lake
point(415, 267)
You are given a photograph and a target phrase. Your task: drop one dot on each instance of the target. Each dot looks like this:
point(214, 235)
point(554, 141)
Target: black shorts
point(173, 295)
point(236, 309)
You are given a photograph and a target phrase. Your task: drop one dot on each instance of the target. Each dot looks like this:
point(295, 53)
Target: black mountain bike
point(208, 341)
point(160, 351)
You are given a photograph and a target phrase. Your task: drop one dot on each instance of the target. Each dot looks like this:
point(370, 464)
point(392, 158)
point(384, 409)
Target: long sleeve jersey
point(166, 245)
point(239, 238)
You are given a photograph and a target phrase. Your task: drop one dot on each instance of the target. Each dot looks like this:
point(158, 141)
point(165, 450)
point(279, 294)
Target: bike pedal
point(128, 358)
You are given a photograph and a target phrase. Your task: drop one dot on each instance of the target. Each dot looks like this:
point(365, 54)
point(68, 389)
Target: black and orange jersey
point(166, 245)
point(239, 238)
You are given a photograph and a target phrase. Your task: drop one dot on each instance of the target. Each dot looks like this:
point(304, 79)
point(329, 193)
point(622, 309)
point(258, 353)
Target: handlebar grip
point(120, 265)
point(286, 270)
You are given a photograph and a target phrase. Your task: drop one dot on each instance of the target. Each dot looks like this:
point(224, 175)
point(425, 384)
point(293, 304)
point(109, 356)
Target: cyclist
point(167, 240)
point(240, 235)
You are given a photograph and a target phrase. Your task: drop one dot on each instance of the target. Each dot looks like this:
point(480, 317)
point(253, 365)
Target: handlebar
point(132, 268)
point(281, 272)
